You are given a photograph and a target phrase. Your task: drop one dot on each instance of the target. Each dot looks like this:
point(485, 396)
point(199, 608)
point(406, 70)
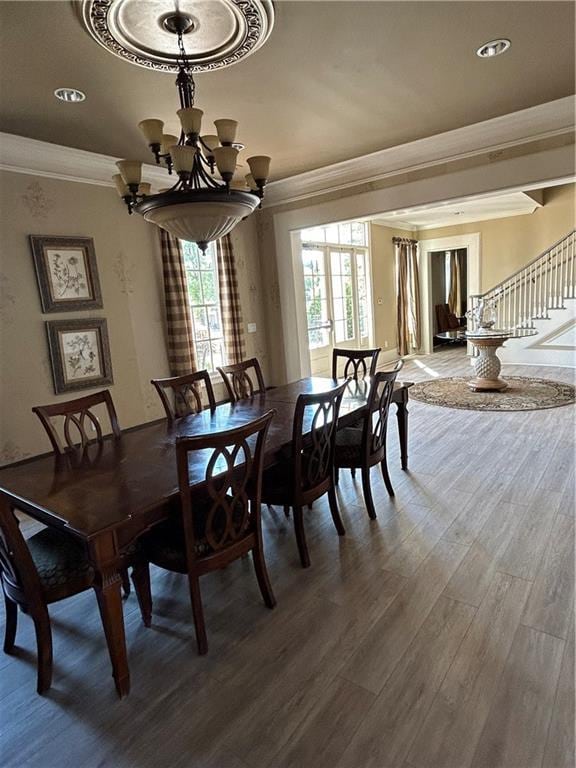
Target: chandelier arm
point(199, 175)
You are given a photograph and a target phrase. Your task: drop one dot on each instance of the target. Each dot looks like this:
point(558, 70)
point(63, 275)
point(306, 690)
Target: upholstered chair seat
point(59, 559)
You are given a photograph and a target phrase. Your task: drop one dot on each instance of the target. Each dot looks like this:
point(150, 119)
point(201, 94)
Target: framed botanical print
point(80, 353)
point(67, 273)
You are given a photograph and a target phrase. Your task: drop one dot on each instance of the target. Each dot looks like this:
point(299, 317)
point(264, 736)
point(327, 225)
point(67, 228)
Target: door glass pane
point(358, 233)
point(316, 297)
point(332, 234)
point(362, 293)
point(345, 234)
point(342, 295)
point(313, 235)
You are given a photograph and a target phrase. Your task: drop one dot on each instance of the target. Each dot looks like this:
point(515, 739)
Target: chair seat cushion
point(348, 447)
point(165, 544)
point(277, 485)
point(59, 558)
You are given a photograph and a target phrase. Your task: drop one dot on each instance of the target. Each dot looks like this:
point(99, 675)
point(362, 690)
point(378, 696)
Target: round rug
point(522, 394)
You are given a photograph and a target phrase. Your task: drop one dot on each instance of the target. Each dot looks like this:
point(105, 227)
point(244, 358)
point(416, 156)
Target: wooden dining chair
point(78, 417)
point(218, 524)
point(243, 380)
point(362, 447)
point(358, 363)
point(182, 395)
point(69, 425)
point(46, 568)
point(308, 473)
point(50, 566)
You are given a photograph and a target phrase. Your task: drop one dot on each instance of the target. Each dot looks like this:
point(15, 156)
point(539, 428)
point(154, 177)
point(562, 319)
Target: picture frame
point(79, 353)
point(67, 273)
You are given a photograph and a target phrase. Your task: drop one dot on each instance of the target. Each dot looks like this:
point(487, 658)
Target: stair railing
point(530, 292)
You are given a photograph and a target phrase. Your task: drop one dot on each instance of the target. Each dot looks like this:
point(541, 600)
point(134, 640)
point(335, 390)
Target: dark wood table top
point(109, 485)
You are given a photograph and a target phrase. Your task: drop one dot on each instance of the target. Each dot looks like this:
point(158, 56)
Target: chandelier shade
point(200, 206)
point(199, 216)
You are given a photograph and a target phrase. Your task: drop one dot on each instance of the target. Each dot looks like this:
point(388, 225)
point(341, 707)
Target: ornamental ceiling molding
point(134, 31)
point(19, 154)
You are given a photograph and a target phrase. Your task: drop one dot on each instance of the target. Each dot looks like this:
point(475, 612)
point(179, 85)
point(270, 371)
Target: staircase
point(540, 296)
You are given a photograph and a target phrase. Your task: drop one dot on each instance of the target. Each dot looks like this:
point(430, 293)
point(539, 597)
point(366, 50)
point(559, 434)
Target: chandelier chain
point(185, 79)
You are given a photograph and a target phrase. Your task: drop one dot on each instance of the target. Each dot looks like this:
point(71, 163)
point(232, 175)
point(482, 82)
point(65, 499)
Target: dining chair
point(243, 380)
point(218, 524)
point(182, 395)
point(355, 367)
point(308, 472)
point(359, 363)
point(78, 417)
point(46, 568)
point(72, 432)
point(362, 447)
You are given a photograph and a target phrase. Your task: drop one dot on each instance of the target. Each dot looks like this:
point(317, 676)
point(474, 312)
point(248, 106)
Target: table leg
point(108, 589)
point(402, 416)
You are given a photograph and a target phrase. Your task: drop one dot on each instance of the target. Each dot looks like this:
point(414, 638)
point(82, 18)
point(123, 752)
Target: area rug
point(523, 394)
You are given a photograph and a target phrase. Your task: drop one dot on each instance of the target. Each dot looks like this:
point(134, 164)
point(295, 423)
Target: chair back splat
point(314, 455)
point(78, 418)
point(243, 380)
point(376, 421)
point(182, 395)
point(359, 363)
point(232, 489)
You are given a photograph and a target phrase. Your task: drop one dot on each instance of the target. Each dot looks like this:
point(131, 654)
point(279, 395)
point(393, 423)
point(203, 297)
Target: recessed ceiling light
point(493, 48)
point(69, 94)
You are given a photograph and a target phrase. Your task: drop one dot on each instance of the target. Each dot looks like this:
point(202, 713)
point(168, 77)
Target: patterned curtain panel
point(180, 336)
point(408, 295)
point(230, 302)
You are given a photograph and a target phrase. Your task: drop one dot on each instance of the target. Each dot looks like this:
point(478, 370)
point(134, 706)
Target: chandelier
point(199, 207)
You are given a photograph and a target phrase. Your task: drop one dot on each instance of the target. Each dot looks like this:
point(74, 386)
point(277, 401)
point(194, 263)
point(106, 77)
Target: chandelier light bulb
point(131, 171)
point(182, 159)
point(226, 130)
point(260, 168)
point(226, 159)
point(190, 120)
point(152, 130)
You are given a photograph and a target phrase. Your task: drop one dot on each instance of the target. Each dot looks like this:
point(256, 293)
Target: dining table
point(110, 493)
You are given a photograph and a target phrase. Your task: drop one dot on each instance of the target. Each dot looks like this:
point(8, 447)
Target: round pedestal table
point(487, 363)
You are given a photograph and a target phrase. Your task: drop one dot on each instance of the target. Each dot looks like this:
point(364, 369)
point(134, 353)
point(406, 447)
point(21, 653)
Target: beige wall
point(129, 267)
point(507, 244)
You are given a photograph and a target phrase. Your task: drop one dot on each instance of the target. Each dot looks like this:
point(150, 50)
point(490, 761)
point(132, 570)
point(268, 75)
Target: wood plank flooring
point(440, 635)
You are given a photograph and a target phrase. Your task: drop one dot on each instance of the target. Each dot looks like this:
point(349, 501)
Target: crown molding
point(19, 154)
point(545, 121)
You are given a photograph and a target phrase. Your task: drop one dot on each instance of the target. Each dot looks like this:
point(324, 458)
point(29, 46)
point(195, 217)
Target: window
point(202, 280)
point(350, 233)
point(336, 267)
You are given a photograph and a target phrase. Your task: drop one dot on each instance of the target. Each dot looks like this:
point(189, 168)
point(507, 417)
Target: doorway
point(448, 286)
point(470, 243)
point(336, 290)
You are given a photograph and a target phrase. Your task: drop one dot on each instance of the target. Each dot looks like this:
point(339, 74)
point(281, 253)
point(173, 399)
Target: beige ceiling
point(336, 79)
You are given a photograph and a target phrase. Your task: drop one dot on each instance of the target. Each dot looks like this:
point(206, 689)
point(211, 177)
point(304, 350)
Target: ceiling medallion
point(220, 32)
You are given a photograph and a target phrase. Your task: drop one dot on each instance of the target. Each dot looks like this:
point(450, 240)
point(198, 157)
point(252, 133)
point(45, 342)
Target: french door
point(337, 301)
